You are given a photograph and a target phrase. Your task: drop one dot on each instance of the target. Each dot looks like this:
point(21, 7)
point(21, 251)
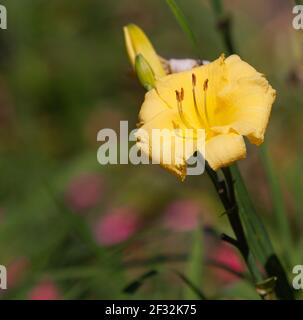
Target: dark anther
point(194, 79)
point(182, 94)
point(205, 85)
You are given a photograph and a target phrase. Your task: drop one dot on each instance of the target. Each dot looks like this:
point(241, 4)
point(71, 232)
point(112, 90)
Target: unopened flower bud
point(144, 72)
point(138, 43)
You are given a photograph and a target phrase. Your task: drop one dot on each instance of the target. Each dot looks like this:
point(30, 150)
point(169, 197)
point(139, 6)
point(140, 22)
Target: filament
point(194, 82)
point(180, 98)
point(205, 87)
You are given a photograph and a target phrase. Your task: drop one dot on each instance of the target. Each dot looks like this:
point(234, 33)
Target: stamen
point(194, 82)
point(180, 98)
point(205, 87)
point(194, 79)
point(182, 94)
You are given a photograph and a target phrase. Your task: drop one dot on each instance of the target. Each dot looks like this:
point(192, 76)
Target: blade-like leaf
point(195, 263)
point(261, 243)
point(182, 21)
point(279, 211)
point(135, 285)
point(198, 293)
point(258, 238)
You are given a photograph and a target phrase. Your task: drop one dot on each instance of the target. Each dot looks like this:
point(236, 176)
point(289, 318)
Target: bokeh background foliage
point(71, 228)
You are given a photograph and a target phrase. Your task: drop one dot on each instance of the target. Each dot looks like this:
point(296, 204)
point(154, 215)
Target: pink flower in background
point(182, 215)
point(226, 255)
point(16, 271)
point(45, 290)
point(116, 226)
point(84, 192)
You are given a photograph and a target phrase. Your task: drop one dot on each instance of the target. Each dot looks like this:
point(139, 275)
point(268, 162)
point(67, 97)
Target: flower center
point(180, 98)
point(201, 116)
point(203, 121)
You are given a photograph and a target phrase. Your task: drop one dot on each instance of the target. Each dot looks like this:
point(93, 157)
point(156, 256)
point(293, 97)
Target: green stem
point(257, 236)
point(231, 208)
point(252, 239)
point(224, 25)
point(217, 7)
point(235, 221)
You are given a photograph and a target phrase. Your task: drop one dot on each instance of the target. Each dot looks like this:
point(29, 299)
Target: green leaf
point(195, 264)
point(198, 293)
point(238, 289)
point(279, 211)
point(135, 285)
point(258, 239)
point(183, 22)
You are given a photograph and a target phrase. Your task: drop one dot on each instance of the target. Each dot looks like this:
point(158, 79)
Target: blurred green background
point(73, 229)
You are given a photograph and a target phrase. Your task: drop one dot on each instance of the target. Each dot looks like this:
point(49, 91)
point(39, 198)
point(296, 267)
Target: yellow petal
point(151, 107)
point(222, 150)
point(158, 150)
point(171, 148)
point(245, 101)
point(137, 43)
point(237, 68)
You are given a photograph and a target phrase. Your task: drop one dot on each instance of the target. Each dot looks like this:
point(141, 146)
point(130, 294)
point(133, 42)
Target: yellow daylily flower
point(227, 98)
point(138, 43)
